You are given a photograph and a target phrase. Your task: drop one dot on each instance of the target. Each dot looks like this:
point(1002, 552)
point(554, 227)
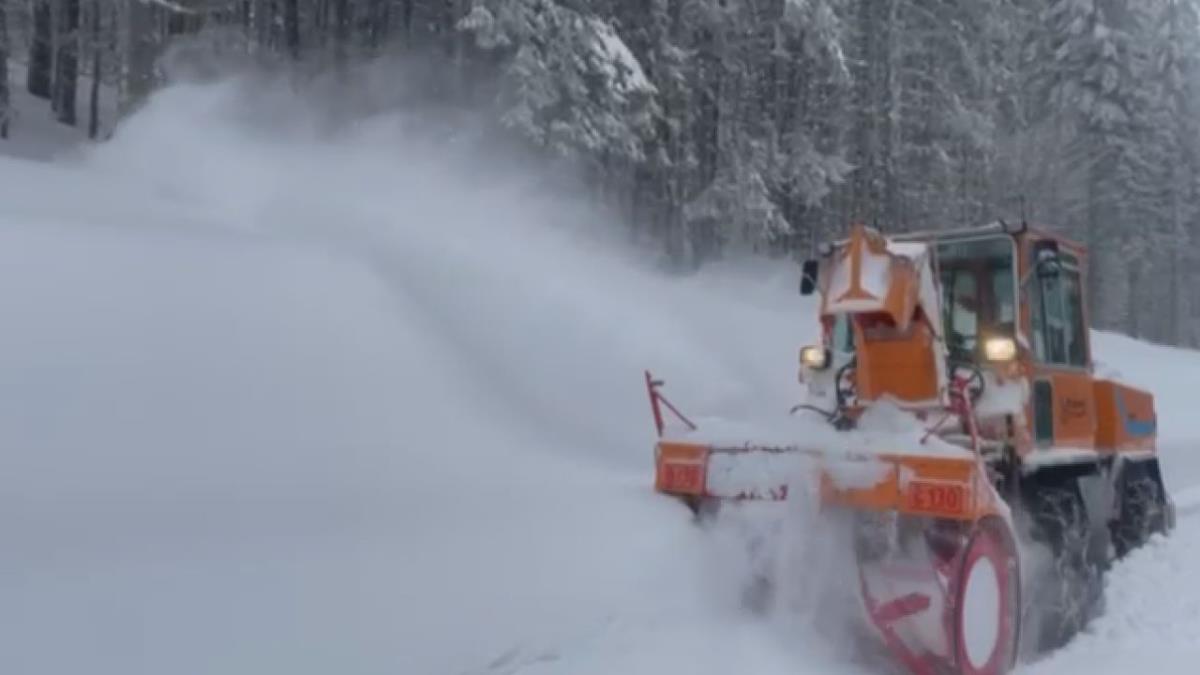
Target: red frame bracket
point(658, 401)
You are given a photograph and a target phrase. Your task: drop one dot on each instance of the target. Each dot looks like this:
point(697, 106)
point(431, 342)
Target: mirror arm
point(808, 276)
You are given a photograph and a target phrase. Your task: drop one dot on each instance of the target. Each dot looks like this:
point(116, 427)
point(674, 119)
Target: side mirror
point(1045, 258)
point(808, 276)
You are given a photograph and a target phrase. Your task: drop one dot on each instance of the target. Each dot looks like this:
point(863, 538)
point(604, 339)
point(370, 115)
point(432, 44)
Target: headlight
point(1000, 349)
point(815, 357)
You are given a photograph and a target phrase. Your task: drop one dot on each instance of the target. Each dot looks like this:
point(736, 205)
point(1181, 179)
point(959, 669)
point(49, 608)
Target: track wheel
point(1067, 588)
point(1142, 510)
point(987, 602)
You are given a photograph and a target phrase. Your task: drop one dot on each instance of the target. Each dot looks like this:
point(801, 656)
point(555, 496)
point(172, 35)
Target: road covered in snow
point(280, 400)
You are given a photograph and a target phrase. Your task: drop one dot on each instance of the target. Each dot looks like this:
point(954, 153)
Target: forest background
point(715, 127)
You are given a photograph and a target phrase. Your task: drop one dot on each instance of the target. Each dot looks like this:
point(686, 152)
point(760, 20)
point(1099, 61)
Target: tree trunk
point(143, 52)
point(381, 22)
point(40, 54)
point(291, 27)
point(97, 73)
point(407, 21)
point(264, 18)
point(341, 32)
point(67, 65)
point(246, 15)
point(5, 98)
point(457, 44)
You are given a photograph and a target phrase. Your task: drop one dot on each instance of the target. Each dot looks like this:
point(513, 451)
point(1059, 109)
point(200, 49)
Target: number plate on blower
point(949, 499)
point(683, 478)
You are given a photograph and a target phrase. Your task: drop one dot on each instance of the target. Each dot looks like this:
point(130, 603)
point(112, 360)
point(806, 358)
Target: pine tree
point(1086, 68)
point(570, 84)
point(1172, 66)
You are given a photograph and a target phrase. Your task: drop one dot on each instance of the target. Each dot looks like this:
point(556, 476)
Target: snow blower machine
point(980, 339)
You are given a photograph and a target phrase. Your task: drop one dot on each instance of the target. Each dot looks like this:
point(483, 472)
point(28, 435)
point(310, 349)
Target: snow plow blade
point(941, 487)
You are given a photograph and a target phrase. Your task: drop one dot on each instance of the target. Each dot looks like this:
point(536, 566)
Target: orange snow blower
point(956, 415)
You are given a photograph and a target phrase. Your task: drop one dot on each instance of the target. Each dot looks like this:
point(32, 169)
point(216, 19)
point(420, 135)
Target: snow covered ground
point(279, 400)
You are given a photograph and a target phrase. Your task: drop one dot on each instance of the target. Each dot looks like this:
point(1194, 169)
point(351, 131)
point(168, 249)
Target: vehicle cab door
point(1062, 404)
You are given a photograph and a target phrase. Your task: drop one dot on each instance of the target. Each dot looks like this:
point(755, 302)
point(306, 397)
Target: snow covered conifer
point(570, 84)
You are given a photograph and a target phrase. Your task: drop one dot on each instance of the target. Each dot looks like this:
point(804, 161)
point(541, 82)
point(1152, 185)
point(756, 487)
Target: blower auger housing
point(980, 338)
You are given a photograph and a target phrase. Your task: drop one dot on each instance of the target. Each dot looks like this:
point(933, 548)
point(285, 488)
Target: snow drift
point(286, 397)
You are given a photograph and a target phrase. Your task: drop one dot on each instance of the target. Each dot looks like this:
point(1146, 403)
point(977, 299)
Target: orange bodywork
point(897, 364)
point(1074, 410)
point(1125, 419)
point(882, 290)
point(954, 488)
point(681, 468)
point(1086, 412)
point(940, 487)
point(867, 275)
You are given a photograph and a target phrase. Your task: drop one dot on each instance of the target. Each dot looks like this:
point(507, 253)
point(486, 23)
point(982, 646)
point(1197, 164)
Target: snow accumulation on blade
point(884, 429)
point(280, 399)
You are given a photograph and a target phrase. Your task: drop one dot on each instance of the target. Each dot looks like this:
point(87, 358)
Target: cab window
point(842, 340)
point(978, 291)
point(1056, 308)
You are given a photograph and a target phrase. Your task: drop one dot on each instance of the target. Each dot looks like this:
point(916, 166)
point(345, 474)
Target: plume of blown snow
point(305, 392)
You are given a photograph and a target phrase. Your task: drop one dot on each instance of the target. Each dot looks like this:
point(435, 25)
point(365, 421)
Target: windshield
point(978, 290)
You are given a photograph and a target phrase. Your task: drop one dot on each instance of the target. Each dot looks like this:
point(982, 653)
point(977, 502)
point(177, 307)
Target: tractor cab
point(906, 315)
point(983, 274)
